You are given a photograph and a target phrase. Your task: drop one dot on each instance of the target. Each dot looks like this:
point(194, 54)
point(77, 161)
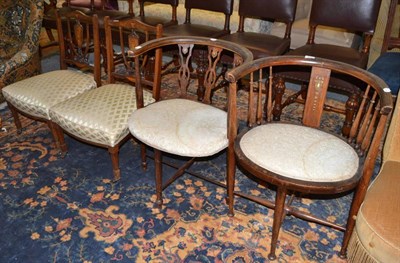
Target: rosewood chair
point(35, 96)
point(306, 157)
point(180, 125)
point(155, 20)
point(263, 45)
point(100, 116)
point(359, 17)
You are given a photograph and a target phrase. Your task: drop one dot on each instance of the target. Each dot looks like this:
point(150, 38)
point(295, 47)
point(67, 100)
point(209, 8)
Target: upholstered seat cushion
point(261, 45)
point(37, 94)
point(348, 55)
point(100, 115)
point(182, 127)
point(300, 152)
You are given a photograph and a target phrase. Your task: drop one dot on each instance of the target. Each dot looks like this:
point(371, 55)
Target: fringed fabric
point(356, 251)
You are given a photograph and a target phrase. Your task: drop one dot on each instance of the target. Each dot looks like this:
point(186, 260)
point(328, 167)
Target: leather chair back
point(354, 15)
point(222, 6)
point(283, 9)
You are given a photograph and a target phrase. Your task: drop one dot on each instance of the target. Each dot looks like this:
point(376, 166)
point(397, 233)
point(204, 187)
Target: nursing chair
point(182, 126)
point(20, 24)
point(304, 155)
point(358, 17)
point(100, 117)
point(262, 44)
point(154, 19)
point(79, 47)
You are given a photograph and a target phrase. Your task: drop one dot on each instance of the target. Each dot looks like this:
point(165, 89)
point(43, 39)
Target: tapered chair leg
point(114, 153)
point(143, 155)
point(58, 135)
point(278, 218)
point(230, 179)
point(158, 167)
point(15, 115)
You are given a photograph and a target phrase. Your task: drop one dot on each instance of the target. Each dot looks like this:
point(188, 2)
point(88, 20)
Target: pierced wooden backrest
point(122, 38)
point(187, 46)
point(79, 42)
point(369, 123)
point(277, 10)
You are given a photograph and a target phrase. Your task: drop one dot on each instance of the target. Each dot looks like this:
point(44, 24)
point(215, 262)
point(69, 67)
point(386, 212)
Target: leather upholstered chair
point(180, 125)
point(260, 44)
point(357, 16)
point(224, 7)
point(100, 117)
point(35, 96)
point(155, 20)
point(305, 155)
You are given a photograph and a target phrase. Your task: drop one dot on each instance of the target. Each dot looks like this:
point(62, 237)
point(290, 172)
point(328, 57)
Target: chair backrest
point(173, 3)
point(94, 4)
point(276, 10)
point(79, 42)
point(369, 123)
point(359, 16)
point(221, 6)
point(391, 41)
point(188, 48)
point(122, 38)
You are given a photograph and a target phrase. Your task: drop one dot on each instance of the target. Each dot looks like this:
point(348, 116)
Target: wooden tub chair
point(304, 156)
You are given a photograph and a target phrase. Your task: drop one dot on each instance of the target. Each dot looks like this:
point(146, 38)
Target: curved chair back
point(283, 159)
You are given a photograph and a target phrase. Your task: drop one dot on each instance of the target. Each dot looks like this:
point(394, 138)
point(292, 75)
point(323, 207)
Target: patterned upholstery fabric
point(99, 116)
point(181, 127)
point(314, 155)
point(20, 24)
point(37, 94)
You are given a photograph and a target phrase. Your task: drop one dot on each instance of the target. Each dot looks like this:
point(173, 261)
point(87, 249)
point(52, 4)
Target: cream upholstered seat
point(36, 95)
point(305, 155)
point(180, 125)
point(314, 155)
point(100, 116)
point(189, 128)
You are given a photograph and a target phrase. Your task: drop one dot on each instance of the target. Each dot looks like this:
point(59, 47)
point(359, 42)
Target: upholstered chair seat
point(189, 128)
point(100, 115)
point(36, 95)
point(314, 155)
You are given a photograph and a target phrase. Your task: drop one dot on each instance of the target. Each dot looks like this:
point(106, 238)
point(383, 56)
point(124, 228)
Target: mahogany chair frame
point(186, 47)
point(366, 135)
point(128, 31)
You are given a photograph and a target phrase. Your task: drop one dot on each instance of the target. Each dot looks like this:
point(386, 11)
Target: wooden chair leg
point(143, 155)
point(114, 153)
point(158, 167)
point(231, 172)
point(278, 218)
point(15, 115)
point(58, 135)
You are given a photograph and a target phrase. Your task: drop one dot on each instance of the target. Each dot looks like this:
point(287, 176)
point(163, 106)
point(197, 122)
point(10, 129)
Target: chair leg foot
point(117, 175)
point(272, 256)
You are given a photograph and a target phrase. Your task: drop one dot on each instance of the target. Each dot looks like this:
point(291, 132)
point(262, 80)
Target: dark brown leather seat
point(188, 29)
point(264, 44)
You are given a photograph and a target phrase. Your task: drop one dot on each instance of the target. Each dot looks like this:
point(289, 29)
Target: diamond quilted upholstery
point(314, 155)
point(100, 115)
point(37, 94)
point(182, 127)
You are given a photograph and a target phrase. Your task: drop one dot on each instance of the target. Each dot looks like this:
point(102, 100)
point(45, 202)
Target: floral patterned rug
point(69, 210)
